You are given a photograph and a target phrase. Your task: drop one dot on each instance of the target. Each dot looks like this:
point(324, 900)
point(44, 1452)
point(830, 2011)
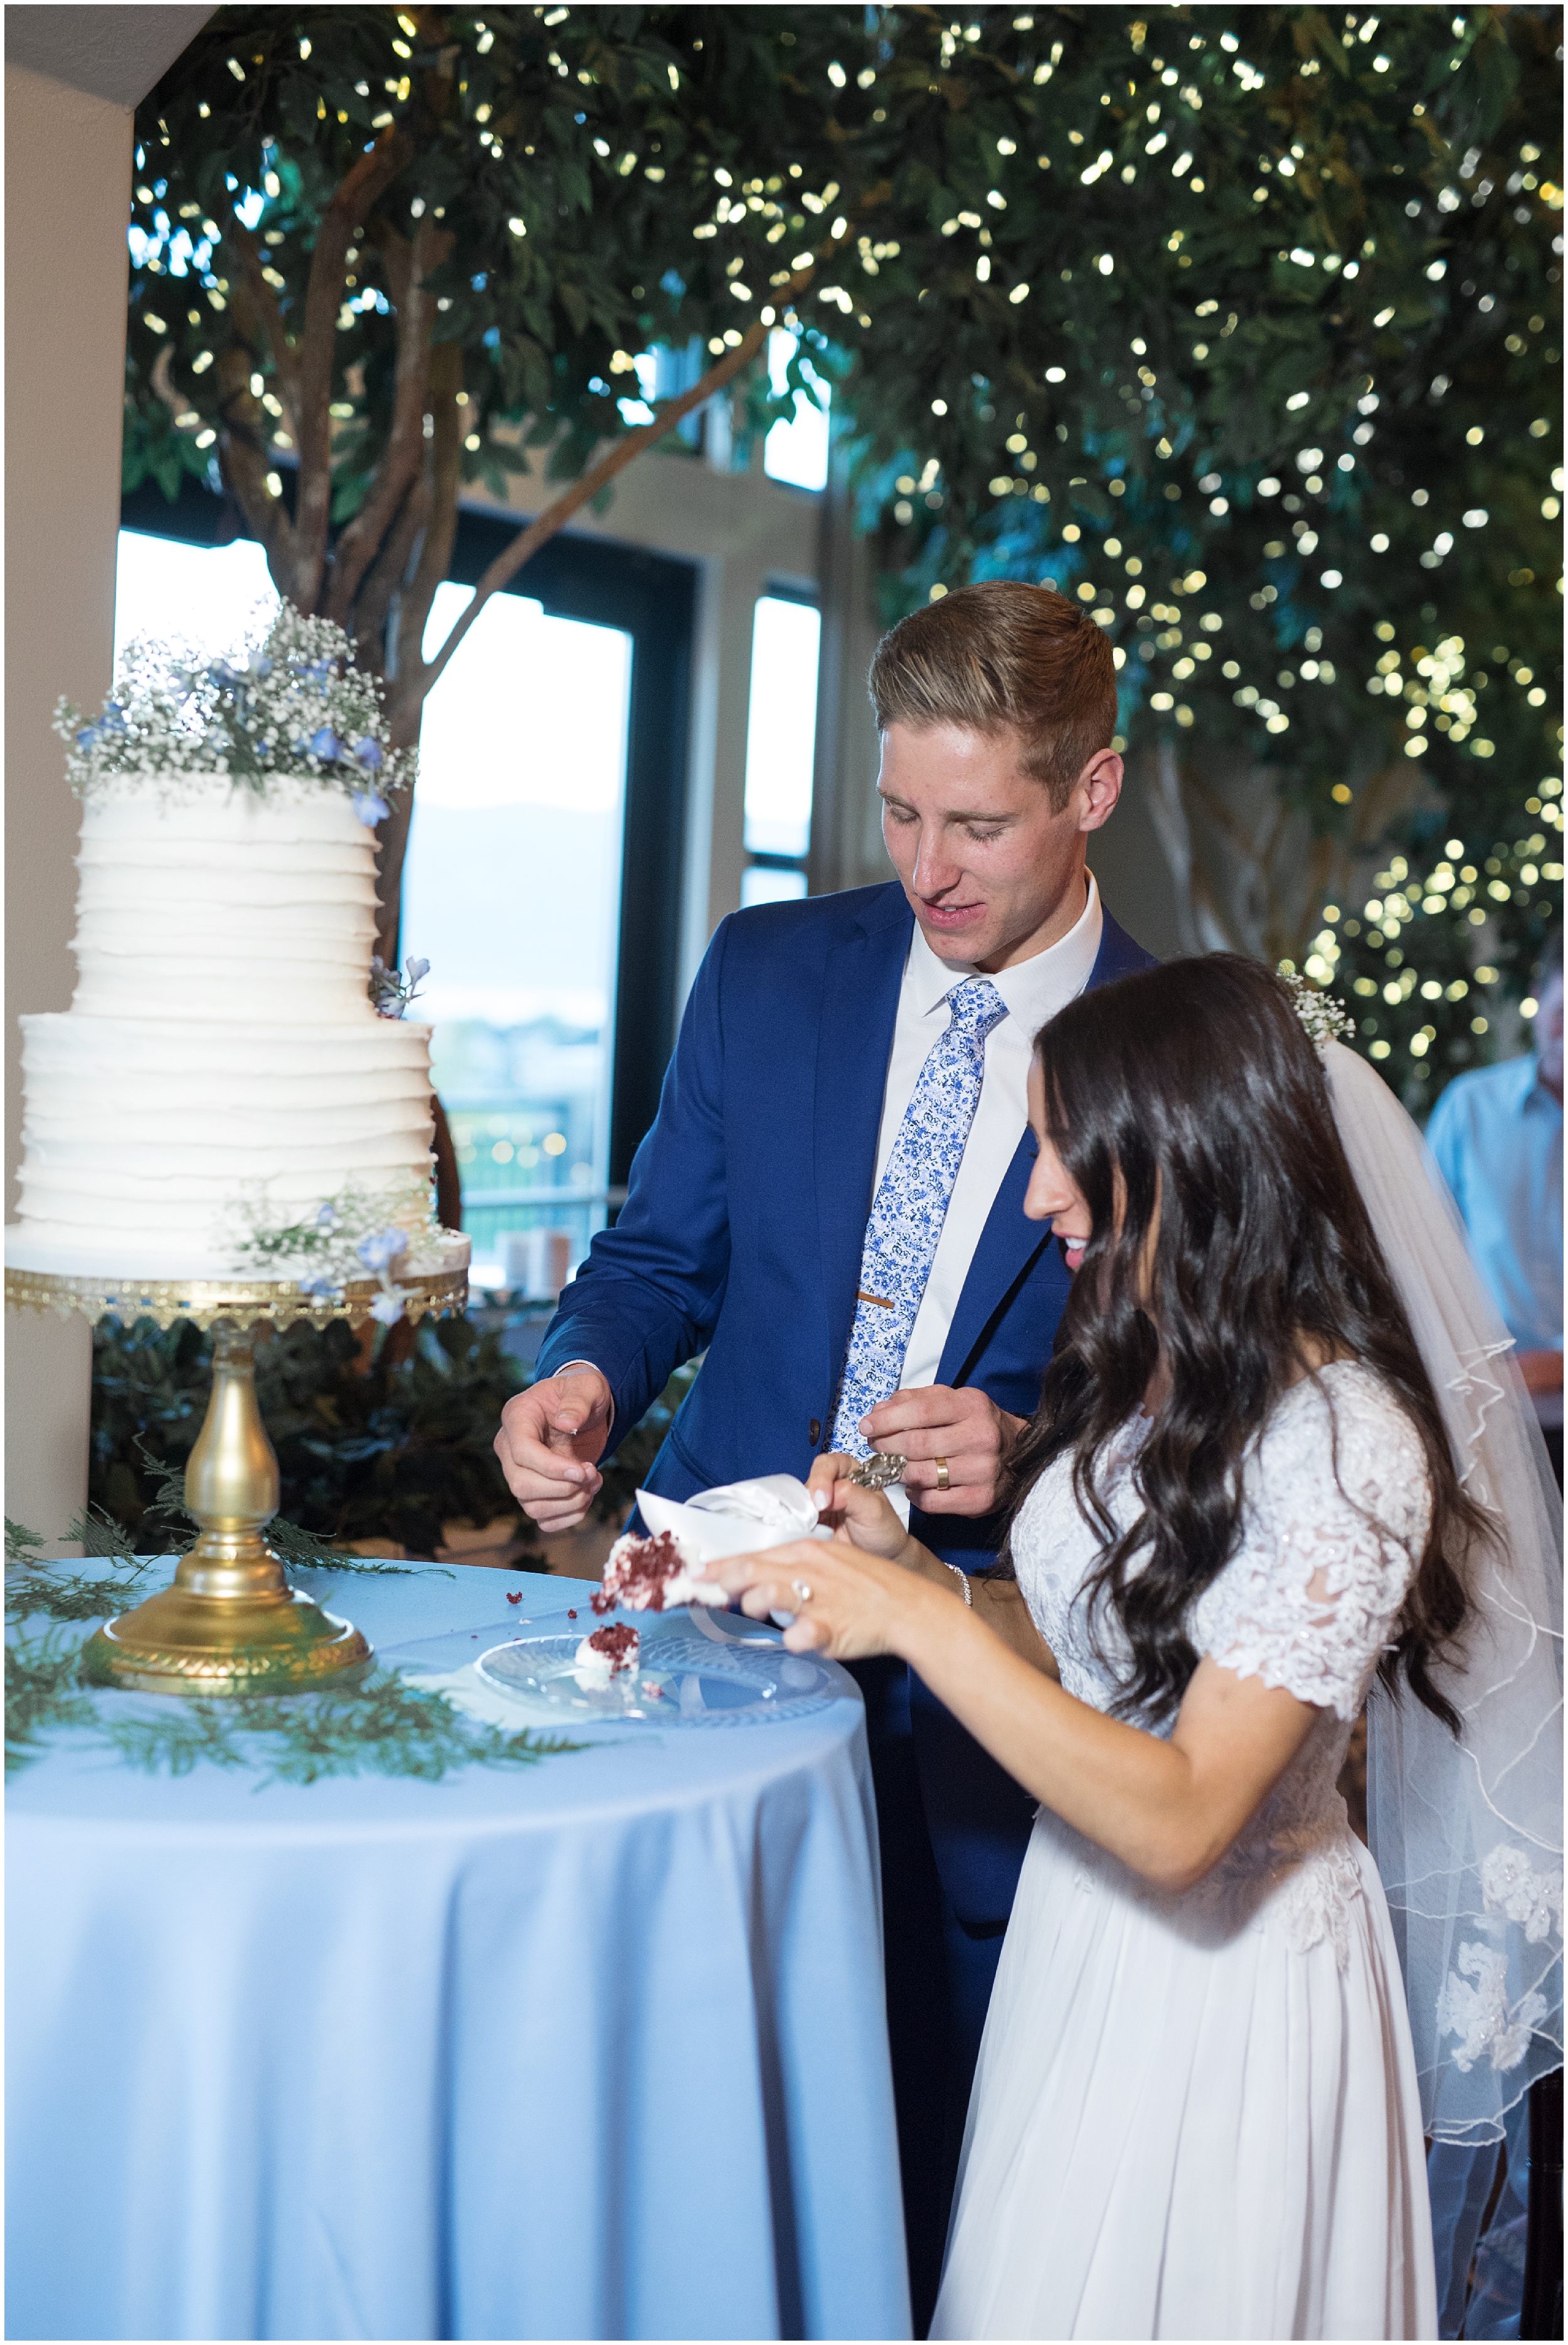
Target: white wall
point(67, 191)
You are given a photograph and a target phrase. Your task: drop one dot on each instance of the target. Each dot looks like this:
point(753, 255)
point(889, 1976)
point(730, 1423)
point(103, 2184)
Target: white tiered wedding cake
point(221, 1062)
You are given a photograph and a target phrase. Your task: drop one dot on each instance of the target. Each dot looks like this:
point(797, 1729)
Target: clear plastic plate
point(685, 1681)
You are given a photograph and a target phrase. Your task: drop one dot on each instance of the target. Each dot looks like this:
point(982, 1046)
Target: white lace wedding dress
point(1196, 2116)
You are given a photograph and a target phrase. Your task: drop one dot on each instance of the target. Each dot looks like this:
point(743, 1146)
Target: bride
point(1197, 2110)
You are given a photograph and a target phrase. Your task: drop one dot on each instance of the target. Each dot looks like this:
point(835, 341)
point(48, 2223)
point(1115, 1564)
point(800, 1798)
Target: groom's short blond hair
point(1002, 656)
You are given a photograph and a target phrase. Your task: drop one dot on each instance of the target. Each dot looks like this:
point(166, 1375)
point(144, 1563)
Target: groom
point(866, 1054)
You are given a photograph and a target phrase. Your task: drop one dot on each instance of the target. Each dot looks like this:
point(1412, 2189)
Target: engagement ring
point(877, 1472)
point(802, 1590)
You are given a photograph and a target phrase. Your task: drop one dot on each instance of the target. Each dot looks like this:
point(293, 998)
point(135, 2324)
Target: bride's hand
point(864, 1517)
point(847, 1603)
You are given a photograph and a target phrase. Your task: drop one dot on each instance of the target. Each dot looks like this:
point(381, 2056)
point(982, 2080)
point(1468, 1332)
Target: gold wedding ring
point(944, 1479)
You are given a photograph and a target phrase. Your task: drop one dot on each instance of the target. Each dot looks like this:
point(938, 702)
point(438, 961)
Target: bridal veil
point(1467, 1834)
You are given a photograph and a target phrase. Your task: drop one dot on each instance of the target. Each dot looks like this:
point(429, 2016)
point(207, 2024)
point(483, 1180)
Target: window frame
point(652, 598)
point(791, 590)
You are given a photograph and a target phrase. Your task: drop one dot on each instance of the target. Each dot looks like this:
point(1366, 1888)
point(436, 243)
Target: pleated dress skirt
point(1194, 2117)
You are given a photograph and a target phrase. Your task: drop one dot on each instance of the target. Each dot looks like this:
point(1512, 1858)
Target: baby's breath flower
point(289, 703)
point(1324, 1016)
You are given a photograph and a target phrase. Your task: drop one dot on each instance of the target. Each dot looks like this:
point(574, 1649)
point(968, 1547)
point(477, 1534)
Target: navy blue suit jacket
point(742, 1234)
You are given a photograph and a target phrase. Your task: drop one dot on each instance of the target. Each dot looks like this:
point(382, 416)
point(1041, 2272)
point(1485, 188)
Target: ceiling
point(114, 53)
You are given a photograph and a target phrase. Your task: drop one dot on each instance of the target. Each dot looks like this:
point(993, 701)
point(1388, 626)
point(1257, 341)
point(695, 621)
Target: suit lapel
point(861, 978)
point(1118, 956)
point(1008, 1243)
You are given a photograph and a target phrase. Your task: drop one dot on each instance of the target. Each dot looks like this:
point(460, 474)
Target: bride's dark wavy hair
point(1193, 1089)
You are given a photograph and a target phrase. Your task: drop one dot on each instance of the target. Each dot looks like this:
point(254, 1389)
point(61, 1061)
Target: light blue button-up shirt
point(1497, 1135)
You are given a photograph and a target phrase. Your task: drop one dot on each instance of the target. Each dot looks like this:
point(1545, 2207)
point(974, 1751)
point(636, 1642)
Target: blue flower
point(316, 672)
point(113, 720)
point(368, 752)
point(417, 971)
point(383, 1247)
point(327, 1218)
point(388, 1308)
point(325, 744)
point(370, 810)
point(321, 1285)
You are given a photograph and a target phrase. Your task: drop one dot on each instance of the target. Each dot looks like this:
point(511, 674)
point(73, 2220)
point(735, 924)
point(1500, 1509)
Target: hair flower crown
point(1323, 1015)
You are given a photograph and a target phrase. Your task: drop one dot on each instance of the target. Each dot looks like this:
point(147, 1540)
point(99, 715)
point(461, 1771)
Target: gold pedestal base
point(270, 1638)
point(230, 1623)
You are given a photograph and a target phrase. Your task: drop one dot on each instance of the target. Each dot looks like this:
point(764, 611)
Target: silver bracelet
point(963, 1579)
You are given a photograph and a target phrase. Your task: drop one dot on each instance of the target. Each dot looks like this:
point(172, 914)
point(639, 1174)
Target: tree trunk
point(377, 580)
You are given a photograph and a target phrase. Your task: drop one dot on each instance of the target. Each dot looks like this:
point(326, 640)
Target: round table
point(592, 2049)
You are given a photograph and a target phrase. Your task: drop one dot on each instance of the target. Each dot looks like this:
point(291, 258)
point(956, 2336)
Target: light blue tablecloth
point(596, 2050)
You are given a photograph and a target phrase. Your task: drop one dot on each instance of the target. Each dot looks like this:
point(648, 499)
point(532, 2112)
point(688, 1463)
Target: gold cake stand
point(229, 1622)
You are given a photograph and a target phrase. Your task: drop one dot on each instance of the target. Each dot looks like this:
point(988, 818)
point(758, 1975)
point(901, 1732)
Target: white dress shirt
point(1034, 990)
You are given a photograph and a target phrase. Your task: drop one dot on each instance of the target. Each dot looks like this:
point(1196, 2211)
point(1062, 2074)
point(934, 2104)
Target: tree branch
point(388, 572)
point(265, 303)
point(436, 501)
point(358, 192)
point(242, 459)
point(625, 451)
point(444, 473)
point(404, 455)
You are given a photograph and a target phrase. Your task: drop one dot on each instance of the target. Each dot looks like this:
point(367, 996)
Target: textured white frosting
point(225, 904)
point(220, 1044)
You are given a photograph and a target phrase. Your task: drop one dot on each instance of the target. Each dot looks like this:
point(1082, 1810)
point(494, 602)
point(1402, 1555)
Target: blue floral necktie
point(910, 1206)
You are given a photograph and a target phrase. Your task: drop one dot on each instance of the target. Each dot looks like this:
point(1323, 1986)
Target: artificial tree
point(408, 240)
point(1089, 280)
point(1296, 445)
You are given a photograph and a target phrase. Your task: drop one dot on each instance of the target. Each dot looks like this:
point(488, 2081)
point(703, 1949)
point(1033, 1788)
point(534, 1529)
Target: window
point(796, 451)
point(781, 749)
point(554, 755)
point(210, 597)
point(512, 891)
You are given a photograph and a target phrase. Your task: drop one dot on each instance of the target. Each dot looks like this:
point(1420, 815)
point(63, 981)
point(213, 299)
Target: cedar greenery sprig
point(36, 1587)
point(44, 1693)
point(382, 1726)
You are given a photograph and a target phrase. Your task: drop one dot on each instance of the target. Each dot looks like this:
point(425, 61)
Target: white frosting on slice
point(624, 1585)
point(594, 1671)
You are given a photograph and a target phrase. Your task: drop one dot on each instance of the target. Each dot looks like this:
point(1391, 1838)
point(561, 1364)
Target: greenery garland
point(382, 1726)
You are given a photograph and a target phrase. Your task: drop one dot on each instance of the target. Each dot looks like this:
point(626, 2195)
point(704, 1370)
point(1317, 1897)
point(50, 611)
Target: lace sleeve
point(1337, 1512)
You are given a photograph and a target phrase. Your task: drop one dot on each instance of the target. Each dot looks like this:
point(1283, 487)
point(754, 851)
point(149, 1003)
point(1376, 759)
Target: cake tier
point(196, 895)
point(179, 1268)
point(140, 1130)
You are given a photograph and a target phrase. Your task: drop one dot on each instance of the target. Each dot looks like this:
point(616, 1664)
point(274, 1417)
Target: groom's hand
point(969, 1433)
point(550, 1437)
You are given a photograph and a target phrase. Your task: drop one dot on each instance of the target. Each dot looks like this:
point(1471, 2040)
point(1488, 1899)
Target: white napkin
point(737, 1518)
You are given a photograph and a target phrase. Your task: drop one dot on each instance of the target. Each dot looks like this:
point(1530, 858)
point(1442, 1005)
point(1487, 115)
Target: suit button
point(815, 1431)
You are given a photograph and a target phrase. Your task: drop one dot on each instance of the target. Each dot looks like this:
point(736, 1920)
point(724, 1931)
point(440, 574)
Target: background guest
point(1497, 1135)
